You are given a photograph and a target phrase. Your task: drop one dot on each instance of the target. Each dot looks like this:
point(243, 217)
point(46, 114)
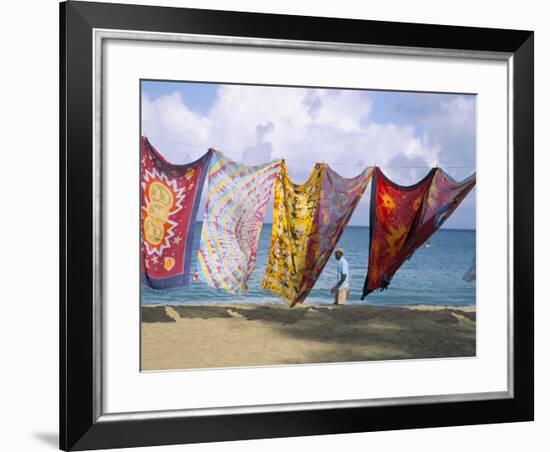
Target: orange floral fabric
point(308, 220)
point(294, 211)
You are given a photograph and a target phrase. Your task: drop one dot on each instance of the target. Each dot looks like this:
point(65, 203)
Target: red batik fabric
point(170, 196)
point(403, 218)
point(338, 200)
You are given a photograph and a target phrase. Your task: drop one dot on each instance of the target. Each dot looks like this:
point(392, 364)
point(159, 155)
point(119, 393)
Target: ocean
point(433, 275)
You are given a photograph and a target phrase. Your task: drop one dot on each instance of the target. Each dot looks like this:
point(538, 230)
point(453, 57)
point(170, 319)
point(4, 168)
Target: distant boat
point(428, 245)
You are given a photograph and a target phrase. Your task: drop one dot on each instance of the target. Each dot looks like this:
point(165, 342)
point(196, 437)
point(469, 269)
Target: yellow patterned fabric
point(294, 211)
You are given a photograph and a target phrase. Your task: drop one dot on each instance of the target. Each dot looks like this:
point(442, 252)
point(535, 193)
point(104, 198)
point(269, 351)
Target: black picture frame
point(80, 427)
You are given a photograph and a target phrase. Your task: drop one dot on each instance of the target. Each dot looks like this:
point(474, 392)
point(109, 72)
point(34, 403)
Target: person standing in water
point(341, 289)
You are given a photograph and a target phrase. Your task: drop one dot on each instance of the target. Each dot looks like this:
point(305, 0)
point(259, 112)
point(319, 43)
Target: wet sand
point(210, 336)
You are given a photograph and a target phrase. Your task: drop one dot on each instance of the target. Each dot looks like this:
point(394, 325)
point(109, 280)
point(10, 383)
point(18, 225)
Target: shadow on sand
point(350, 333)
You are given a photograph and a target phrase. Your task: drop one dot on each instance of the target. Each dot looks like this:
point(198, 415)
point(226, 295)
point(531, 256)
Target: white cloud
point(167, 117)
point(453, 126)
point(254, 124)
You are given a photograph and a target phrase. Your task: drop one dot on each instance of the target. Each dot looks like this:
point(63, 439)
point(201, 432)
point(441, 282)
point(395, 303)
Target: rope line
point(201, 146)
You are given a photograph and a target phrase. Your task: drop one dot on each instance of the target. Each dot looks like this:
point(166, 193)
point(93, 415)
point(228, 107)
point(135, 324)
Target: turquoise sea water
point(432, 276)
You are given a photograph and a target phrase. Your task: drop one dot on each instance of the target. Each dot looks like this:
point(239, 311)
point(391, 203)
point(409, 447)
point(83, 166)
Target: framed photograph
point(285, 225)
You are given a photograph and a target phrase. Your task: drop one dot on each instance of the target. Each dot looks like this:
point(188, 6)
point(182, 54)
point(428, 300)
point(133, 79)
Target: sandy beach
point(206, 336)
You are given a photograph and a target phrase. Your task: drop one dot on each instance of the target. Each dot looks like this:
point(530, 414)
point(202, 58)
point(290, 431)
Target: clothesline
point(202, 146)
point(308, 221)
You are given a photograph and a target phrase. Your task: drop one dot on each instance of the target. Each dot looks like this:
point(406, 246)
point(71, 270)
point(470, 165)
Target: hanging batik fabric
point(404, 218)
point(339, 198)
point(308, 221)
point(235, 208)
point(294, 210)
point(470, 274)
point(170, 196)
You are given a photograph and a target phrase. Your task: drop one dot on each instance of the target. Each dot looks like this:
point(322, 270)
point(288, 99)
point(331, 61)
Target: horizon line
point(368, 226)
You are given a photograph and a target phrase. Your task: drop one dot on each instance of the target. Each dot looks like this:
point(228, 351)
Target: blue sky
point(403, 133)
point(199, 97)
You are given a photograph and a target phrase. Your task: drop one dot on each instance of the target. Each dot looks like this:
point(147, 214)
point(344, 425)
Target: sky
point(405, 134)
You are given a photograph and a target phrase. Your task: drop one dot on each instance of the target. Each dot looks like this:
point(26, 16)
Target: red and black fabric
point(403, 218)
